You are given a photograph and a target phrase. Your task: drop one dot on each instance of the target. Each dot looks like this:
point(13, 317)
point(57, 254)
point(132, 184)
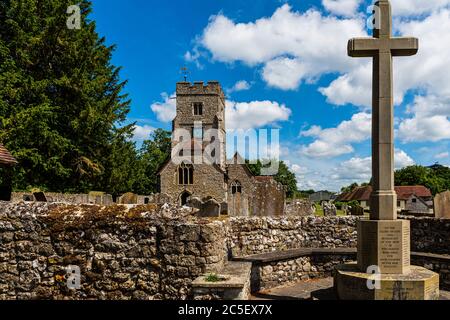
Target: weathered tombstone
point(329, 209)
point(108, 200)
point(128, 198)
point(442, 205)
point(357, 210)
point(384, 241)
point(195, 202)
point(299, 208)
point(40, 197)
point(224, 208)
point(163, 198)
point(210, 208)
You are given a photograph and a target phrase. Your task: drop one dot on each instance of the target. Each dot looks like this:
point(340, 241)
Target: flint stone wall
point(273, 274)
point(141, 253)
point(430, 235)
point(256, 235)
point(122, 254)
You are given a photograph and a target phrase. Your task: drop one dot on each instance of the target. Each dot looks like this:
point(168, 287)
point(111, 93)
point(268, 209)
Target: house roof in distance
point(403, 193)
point(5, 157)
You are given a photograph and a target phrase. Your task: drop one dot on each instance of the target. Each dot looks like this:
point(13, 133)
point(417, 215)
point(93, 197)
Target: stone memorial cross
point(382, 47)
point(384, 242)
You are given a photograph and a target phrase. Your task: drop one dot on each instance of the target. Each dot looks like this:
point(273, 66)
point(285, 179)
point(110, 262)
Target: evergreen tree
point(61, 100)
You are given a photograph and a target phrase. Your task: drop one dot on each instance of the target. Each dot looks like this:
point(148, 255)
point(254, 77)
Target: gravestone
point(163, 198)
point(299, 208)
point(442, 205)
point(128, 198)
point(195, 202)
point(329, 209)
point(210, 208)
point(384, 241)
point(224, 208)
point(40, 197)
point(357, 210)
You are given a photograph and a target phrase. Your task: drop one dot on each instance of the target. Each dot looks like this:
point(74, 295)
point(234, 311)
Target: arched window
point(236, 187)
point(198, 109)
point(185, 174)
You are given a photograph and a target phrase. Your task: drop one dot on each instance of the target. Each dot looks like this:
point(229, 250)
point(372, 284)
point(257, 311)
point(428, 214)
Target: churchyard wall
point(269, 275)
point(255, 235)
point(155, 252)
point(122, 254)
point(430, 235)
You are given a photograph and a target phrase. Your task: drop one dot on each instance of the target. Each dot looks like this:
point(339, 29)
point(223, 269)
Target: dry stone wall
point(156, 251)
point(256, 235)
point(122, 254)
point(430, 235)
point(273, 274)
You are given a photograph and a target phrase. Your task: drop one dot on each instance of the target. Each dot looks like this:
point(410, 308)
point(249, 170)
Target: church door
point(184, 198)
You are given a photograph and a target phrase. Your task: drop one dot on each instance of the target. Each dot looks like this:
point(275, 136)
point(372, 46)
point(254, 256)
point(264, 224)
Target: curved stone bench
point(273, 269)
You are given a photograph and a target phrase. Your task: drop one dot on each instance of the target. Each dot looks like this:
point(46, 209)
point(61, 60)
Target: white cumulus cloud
point(430, 121)
point(238, 115)
point(142, 132)
point(342, 7)
point(255, 114)
point(292, 46)
point(360, 169)
point(332, 142)
point(416, 7)
point(166, 110)
point(241, 85)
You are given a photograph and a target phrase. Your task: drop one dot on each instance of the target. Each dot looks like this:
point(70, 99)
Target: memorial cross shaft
point(382, 47)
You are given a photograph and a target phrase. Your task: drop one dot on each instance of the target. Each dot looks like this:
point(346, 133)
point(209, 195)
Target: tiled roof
point(5, 157)
point(403, 193)
point(359, 194)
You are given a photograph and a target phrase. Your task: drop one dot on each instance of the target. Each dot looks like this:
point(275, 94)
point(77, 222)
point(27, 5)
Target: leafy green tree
point(436, 178)
point(61, 100)
point(153, 154)
point(351, 187)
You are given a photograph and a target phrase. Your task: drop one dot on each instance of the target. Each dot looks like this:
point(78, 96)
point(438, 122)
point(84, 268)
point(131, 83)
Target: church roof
point(5, 157)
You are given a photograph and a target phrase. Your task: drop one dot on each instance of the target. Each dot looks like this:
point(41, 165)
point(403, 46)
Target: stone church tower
point(199, 109)
point(219, 187)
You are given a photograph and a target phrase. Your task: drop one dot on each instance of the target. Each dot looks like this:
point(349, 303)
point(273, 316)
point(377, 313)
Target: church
point(229, 183)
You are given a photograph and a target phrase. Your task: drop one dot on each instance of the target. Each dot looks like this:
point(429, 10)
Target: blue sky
point(283, 64)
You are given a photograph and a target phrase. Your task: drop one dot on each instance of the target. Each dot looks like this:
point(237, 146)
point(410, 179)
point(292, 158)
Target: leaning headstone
point(40, 197)
point(442, 205)
point(210, 208)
